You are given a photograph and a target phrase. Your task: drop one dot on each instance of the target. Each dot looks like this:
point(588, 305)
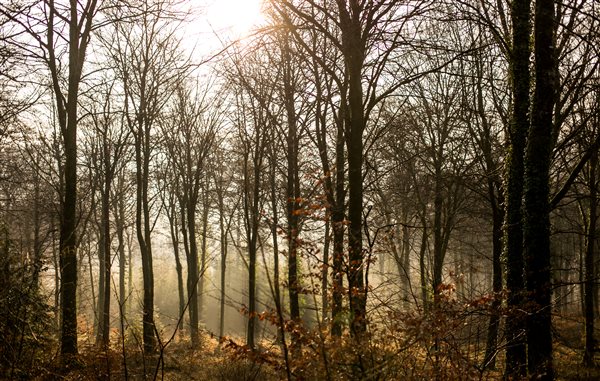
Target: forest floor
point(221, 362)
point(568, 350)
point(176, 362)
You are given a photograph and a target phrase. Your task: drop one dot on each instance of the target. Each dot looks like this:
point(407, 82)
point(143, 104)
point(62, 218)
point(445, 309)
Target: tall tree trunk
point(353, 50)
point(205, 206)
point(129, 271)
point(356, 293)
point(105, 242)
point(252, 218)
point(68, 234)
point(325, 271)
point(438, 250)
point(537, 191)
point(519, 125)
point(223, 283)
point(37, 242)
point(405, 258)
point(67, 111)
point(120, 231)
point(101, 274)
point(292, 187)
point(494, 323)
point(422, 269)
point(55, 262)
point(143, 230)
point(192, 271)
point(274, 234)
point(338, 227)
point(275, 238)
point(596, 289)
point(68, 241)
point(79, 26)
point(252, 248)
point(590, 273)
point(174, 229)
point(335, 194)
point(223, 230)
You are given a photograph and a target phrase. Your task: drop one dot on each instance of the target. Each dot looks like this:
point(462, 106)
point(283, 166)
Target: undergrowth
point(444, 344)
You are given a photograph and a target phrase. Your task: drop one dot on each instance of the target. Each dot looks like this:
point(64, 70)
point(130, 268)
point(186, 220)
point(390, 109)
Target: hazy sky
point(219, 21)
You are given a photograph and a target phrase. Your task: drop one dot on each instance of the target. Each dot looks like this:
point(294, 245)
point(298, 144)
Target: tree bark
point(105, 241)
point(174, 230)
point(99, 311)
point(192, 270)
point(519, 125)
point(119, 212)
point(143, 228)
point(79, 28)
point(223, 230)
point(422, 269)
point(338, 227)
point(252, 195)
point(292, 186)
point(590, 272)
point(438, 249)
point(325, 272)
point(536, 230)
point(203, 250)
point(353, 46)
point(494, 322)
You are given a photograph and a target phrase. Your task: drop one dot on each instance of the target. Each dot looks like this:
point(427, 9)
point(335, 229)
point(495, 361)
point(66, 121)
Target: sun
point(235, 18)
point(214, 24)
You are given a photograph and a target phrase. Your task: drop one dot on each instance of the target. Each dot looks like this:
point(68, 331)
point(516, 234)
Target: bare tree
point(62, 31)
point(108, 149)
point(226, 205)
point(149, 64)
point(169, 192)
point(367, 36)
point(189, 136)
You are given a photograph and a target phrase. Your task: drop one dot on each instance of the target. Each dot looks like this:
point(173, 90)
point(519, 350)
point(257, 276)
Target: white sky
point(220, 21)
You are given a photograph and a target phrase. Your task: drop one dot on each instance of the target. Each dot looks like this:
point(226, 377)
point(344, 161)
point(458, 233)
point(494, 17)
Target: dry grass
point(568, 350)
point(178, 362)
point(234, 363)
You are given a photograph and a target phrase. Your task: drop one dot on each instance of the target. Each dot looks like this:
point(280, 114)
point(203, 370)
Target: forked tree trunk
point(79, 27)
point(354, 54)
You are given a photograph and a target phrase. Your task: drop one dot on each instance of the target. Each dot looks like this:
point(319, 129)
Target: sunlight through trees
point(299, 189)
